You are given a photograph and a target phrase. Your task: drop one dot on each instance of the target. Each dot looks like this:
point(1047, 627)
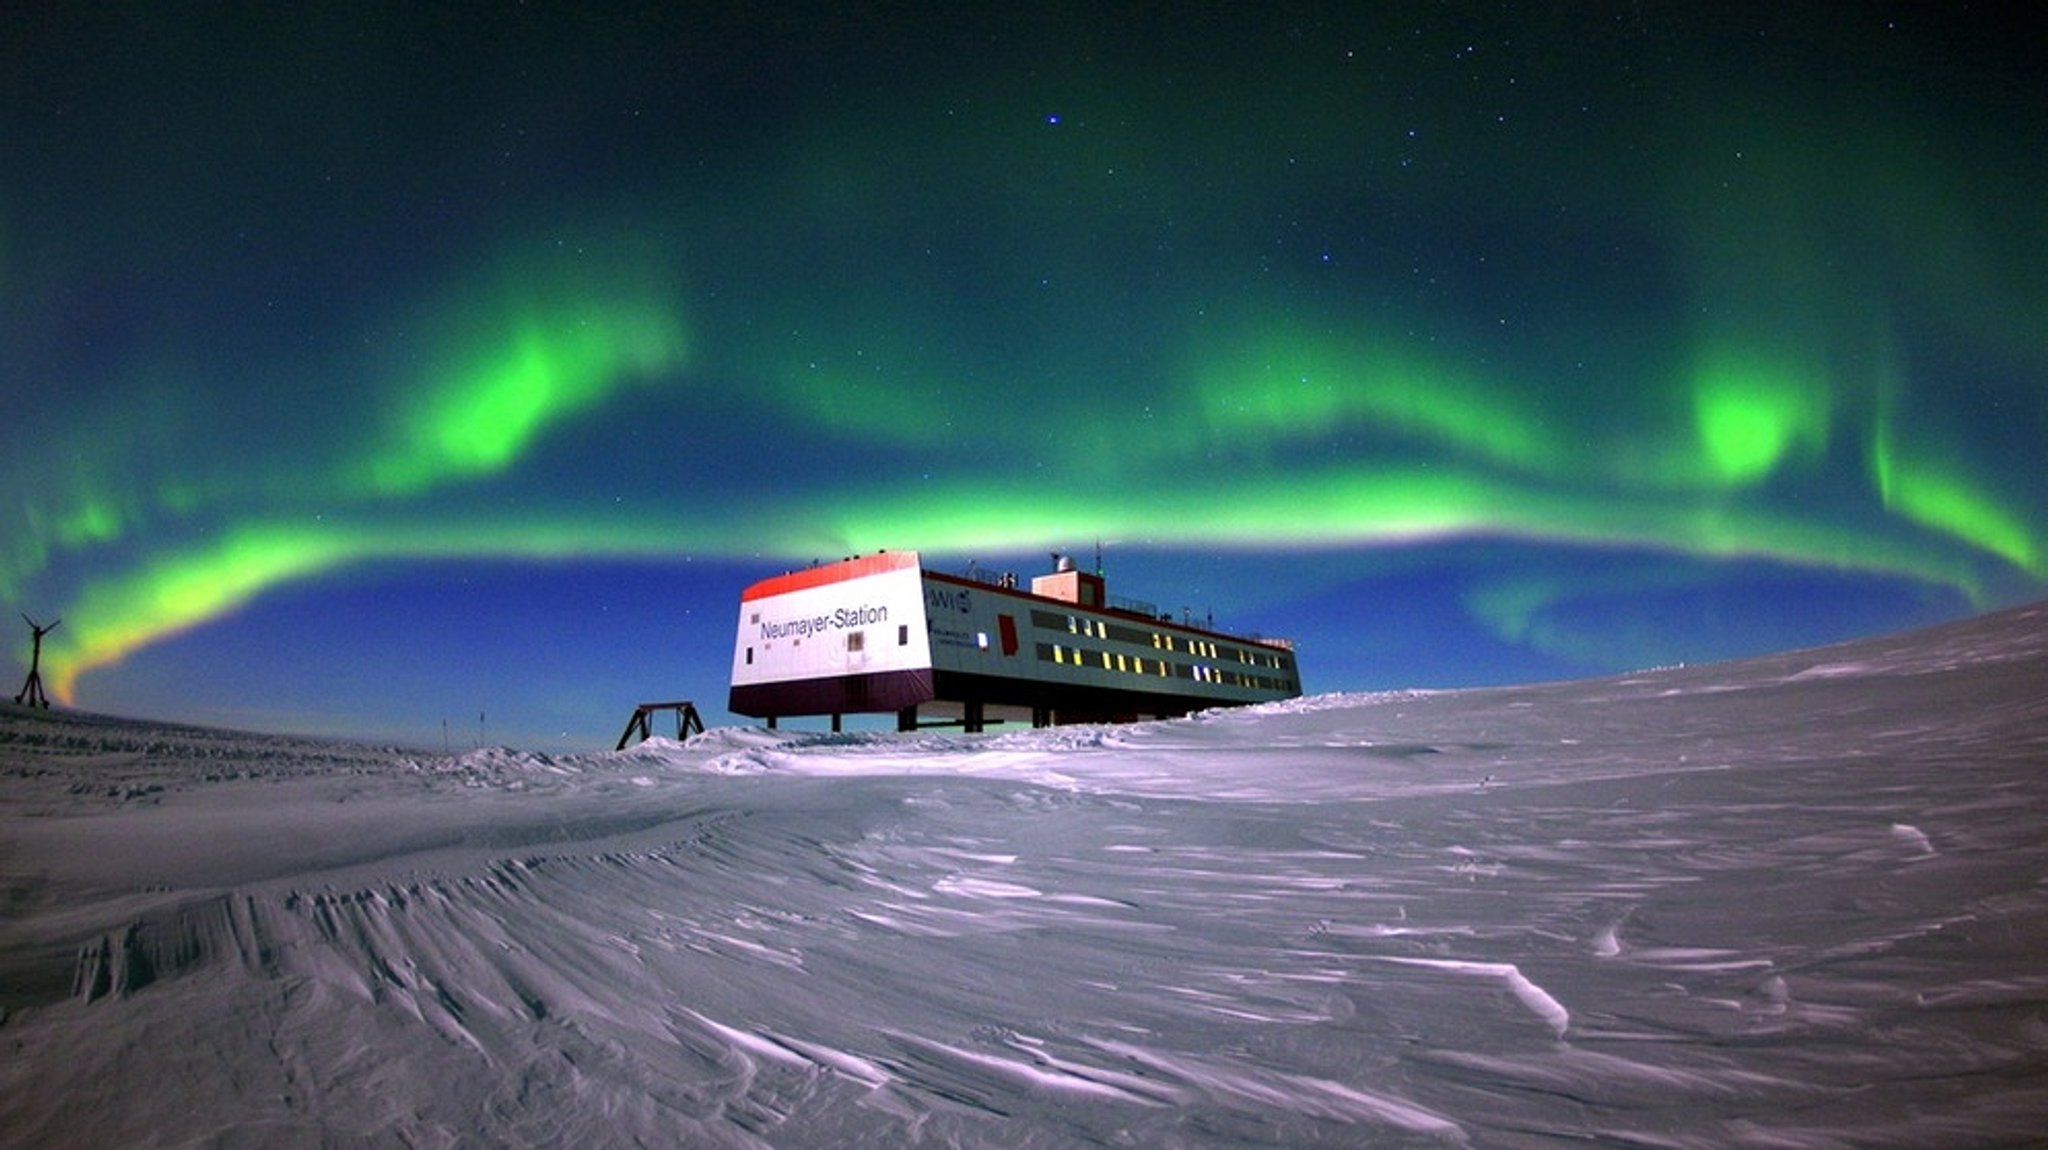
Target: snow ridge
point(1734, 905)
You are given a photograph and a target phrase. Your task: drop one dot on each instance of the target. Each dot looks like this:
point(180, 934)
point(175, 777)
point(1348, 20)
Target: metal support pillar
point(688, 722)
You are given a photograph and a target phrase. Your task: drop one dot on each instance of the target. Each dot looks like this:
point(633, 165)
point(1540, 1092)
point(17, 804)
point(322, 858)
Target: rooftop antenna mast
point(32, 691)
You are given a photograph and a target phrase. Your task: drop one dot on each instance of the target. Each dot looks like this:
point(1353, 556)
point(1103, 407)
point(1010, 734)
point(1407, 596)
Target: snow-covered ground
point(1796, 901)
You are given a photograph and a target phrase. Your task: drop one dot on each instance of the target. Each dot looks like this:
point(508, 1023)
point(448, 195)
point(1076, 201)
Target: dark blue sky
point(379, 365)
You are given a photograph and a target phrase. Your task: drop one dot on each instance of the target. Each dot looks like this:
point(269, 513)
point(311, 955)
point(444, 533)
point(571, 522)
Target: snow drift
point(1795, 901)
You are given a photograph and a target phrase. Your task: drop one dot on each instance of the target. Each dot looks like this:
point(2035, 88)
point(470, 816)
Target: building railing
point(1134, 606)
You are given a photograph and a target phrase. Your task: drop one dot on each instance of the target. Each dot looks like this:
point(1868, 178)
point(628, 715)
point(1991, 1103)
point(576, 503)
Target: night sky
point(443, 372)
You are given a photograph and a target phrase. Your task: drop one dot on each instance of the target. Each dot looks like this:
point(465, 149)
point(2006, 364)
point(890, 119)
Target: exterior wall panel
point(880, 634)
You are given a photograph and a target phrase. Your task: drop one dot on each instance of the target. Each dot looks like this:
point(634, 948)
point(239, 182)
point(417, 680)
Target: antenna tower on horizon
point(32, 690)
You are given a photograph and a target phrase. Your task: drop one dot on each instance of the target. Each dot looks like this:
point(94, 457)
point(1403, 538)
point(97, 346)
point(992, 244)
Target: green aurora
point(1344, 288)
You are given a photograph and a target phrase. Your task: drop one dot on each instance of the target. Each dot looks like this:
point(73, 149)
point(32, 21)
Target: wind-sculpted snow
point(1793, 902)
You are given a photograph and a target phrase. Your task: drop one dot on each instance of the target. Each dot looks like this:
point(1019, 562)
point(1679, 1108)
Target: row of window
point(1124, 662)
point(858, 640)
point(1090, 628)
point(855, 640)
point(1118, 661)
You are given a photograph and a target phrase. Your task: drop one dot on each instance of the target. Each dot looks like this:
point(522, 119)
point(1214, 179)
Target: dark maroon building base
point(902, 692)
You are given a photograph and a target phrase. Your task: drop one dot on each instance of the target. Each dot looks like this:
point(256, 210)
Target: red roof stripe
point(830, 573)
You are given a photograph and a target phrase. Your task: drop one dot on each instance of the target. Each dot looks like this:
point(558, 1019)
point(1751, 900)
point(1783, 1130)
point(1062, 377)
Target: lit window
point(981, 639)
